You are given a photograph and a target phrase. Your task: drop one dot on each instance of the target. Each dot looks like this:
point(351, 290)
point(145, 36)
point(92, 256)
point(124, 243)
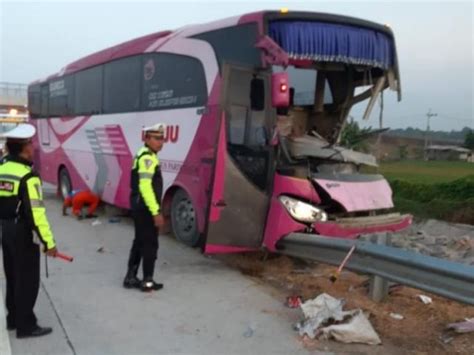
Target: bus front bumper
point(351, 228)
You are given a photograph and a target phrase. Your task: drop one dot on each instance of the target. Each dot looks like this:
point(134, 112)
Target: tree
point(469, 140)
point(403, 151)
point(354, 137)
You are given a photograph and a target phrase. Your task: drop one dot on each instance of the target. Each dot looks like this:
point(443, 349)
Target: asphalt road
point(205, 307)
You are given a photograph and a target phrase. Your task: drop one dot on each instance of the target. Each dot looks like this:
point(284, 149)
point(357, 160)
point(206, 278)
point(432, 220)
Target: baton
point(64, 257)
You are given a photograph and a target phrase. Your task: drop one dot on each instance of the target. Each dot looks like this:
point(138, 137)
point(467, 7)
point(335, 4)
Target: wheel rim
point(185, 219)
point(65, 185)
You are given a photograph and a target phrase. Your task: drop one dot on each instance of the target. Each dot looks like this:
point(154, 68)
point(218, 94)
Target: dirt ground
point(420, 332)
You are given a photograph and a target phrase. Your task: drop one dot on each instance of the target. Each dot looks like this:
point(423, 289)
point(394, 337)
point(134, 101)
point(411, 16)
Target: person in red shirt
point(78, 199)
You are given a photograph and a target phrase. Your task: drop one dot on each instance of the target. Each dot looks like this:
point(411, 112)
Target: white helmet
point(22, 131)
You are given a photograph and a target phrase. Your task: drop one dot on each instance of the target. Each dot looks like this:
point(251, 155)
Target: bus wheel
point(183, 219)
point(65, 185)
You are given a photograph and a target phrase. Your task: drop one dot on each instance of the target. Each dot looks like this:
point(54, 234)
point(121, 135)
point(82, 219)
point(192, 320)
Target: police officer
point(24, 224)
point(145, 198)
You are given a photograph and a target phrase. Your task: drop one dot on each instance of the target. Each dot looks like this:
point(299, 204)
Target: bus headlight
point(302, 211)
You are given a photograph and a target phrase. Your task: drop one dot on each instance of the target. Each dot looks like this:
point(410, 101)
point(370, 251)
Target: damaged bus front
point(282, 170)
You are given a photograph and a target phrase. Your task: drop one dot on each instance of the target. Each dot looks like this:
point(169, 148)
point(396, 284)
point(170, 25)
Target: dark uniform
point(22, 211)
point(146, 190)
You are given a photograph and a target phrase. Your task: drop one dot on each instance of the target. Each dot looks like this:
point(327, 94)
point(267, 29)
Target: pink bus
point(254, 107)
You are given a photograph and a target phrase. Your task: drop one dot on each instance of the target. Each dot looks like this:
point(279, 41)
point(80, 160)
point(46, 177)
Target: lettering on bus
point(174, 166)
point(160, 99)
point(172, 134)
point(171, 166)
point(57, 88)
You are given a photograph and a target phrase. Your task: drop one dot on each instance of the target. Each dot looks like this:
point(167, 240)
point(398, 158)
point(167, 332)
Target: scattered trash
point(357, 330)
point(96, 222)
point(249, 332)
point(293, 301)
point(324, 315)
point(425, 299)
point(101, 250)
point(396, 316)
point(462, 327)
point(446, 338)
point(114, 220)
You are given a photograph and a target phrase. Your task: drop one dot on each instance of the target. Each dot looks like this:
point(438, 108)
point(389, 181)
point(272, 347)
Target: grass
point(434, 189)
point(426, 172)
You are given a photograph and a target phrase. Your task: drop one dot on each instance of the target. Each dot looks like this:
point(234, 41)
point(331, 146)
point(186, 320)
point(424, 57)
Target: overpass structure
point(13, 96)
point(13, 105)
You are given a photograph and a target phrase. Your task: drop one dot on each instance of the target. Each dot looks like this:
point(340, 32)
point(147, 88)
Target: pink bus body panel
point(98, 152)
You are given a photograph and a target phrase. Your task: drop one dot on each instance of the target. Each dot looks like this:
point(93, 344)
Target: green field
point(426, 172)
point(434, 189)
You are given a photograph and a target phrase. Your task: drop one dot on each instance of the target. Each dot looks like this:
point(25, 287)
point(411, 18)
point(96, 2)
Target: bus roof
point(152, 41)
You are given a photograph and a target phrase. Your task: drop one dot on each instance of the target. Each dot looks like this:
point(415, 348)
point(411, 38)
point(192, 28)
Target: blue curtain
point(333, 43)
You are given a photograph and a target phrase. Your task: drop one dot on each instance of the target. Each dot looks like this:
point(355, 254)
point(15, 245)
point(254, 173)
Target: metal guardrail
point(435, 275)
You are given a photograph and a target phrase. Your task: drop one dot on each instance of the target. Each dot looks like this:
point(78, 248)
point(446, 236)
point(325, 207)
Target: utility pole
point(428, 117)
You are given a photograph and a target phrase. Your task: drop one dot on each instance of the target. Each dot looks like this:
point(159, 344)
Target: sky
point(434, 40)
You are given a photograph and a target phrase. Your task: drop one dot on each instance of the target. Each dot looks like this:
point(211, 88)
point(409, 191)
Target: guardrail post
point(378, 288)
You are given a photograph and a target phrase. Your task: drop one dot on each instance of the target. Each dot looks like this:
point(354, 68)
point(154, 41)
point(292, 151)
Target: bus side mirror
point(280, 90)
point(257, 94)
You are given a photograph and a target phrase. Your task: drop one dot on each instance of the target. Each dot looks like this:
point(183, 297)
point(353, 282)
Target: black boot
point(36, 332)
point(131, 280)
point(149, 285)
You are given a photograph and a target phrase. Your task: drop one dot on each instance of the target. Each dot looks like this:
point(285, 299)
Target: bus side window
point(88, 91)
point(122, 85)
point(172, 81)
point(34, 100)
point(61, 96)
point(44, 100)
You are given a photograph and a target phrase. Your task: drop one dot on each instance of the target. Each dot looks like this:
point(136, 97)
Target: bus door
point(240, 199)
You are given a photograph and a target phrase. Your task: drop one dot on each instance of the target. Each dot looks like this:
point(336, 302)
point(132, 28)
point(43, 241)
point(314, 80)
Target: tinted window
point(61, 96)
point(234, 44)
point(122, 85)
point(88, 91)
point(34, 100)
point(44, 100)
point(172, 81)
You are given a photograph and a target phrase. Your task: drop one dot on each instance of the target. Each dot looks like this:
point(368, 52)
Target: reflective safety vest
point(21, 198)
point(146, 182)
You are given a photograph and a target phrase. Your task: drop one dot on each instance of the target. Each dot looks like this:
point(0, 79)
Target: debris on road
point(446, 338)
point(96, 222)
point(324, 315)
point(439, 239)
point(466, 326)
point(101, 250)
point(294, 301)
point(396, 316)
point(114, 219)
point(425, 299)
point(420, 329)
point(356, 330)
point(249, 332)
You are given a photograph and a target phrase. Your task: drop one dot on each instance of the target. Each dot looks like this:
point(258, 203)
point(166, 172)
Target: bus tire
point(64, 183)
point(184, 219)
